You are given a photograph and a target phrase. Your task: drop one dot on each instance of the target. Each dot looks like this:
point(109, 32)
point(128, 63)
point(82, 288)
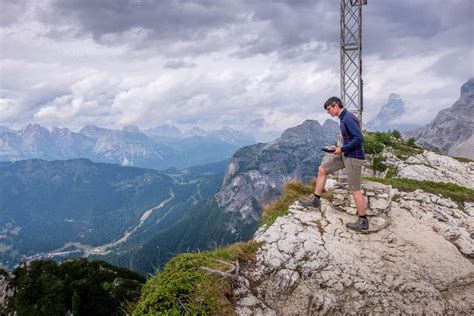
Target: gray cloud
point(217, 62)
point(177, 64)
point(252, 27)
point(12, 11)
point(164, 20)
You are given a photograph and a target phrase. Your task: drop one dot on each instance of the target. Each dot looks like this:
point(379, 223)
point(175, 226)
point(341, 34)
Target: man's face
point(332, 110)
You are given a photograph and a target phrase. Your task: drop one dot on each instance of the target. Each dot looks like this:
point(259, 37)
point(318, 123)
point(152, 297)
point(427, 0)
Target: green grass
point(391, 172)
point(463, 159)
point(291, 193)
point(183, 289)
point(448, 190)
point(375, 142)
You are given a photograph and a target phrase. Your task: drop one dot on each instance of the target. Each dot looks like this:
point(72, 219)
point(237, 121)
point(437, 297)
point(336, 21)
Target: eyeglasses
point(329, 107)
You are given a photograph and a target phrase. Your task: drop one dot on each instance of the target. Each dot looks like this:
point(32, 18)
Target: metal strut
point(351, 56)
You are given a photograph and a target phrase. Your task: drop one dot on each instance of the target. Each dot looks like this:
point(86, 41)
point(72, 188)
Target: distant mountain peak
point(34, 128)
point(330, 124)
point(60, 131)
point(390, 116)
point(131, 129)
point(394, 106)
point(93, 131)
point(6, 129)
point(467, 89)
point(165, 130)
point(196, 131)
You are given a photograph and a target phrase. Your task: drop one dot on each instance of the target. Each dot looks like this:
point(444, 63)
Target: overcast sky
point(214, 63)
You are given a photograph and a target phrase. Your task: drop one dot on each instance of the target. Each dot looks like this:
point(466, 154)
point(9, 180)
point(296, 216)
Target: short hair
point(333, 101)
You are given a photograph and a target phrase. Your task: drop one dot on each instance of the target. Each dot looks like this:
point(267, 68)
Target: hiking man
point(350, 156)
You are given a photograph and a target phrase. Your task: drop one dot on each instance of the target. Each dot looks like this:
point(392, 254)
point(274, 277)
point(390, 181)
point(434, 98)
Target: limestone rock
point(434, 167)
point(452, 130)
point(256, 174)
point(420, 260)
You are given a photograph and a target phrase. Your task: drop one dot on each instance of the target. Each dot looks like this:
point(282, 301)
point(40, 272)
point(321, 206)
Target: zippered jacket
point(352, 138)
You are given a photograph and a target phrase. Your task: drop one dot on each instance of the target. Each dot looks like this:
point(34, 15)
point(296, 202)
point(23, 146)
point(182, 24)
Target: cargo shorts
point(353, 168)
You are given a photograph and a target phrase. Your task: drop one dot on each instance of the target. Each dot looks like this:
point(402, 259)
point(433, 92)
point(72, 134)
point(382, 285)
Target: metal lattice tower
point(351, 56)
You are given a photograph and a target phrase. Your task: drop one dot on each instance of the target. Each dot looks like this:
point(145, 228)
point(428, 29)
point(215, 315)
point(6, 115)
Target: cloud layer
point(212, 63)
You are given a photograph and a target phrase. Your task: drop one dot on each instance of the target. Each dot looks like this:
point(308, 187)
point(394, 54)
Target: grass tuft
point(292, 191)
point(463, 159)
point(448, 190)
point(183, 289)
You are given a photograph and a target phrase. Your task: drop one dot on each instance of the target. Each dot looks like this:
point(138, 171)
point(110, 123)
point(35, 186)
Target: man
point(350, 156)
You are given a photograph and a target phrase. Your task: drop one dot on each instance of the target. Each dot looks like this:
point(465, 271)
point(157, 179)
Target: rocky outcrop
point(452, 130)
point(256, 174)
point(431, 166)
point(416, 258)
point(6, 290)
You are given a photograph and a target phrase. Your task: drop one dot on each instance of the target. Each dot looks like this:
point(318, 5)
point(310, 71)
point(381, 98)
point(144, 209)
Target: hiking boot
point(311, 201)
point(362, 225)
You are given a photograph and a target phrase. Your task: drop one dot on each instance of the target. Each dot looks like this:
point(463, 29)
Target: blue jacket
point(352, 138)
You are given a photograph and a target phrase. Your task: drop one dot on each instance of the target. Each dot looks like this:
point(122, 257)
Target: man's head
point(333, 106)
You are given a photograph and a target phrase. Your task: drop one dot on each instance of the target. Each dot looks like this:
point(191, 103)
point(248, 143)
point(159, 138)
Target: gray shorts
point(353, 168)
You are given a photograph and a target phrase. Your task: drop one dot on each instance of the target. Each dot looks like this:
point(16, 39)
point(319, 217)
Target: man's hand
point(337, 151)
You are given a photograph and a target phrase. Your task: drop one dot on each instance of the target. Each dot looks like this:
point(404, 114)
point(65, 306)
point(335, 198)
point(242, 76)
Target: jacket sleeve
point(353, 127)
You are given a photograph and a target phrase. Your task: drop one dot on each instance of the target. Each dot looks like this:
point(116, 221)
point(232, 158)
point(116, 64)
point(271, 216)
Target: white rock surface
point(420, 260)
point(433, 167)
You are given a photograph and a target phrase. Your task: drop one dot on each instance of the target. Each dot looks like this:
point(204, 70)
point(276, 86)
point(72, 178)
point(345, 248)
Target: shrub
point(375, 143)
point(396, 134)
point(371, 145)
point(377, 163)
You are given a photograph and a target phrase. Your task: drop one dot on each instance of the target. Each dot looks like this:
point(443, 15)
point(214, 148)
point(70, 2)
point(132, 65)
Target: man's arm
point(353, 126)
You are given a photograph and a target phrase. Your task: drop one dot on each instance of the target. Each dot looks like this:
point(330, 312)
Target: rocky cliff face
point(418, 257)
point(6, 290)
point(452, 130)
point(256, 174)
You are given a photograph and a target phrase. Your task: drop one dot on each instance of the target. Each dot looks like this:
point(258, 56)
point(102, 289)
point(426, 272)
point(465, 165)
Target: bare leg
point(359, 202)
point(321, 181)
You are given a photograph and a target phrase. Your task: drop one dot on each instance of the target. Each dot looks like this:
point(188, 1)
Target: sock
point(316, 195)
point(363, 216)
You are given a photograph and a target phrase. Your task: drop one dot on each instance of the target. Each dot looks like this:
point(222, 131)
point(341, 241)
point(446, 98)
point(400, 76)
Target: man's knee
point(322, 171)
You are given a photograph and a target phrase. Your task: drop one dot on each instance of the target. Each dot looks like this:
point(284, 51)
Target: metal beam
point(351, 56)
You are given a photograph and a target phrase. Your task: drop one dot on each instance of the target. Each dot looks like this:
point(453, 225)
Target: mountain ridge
point(452, 130)
point(417, 258)
point(160, 149)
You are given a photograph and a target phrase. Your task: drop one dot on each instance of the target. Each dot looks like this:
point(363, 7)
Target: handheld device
point(328, 149)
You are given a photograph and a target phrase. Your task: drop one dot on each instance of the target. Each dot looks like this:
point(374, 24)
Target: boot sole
point(362, 231)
